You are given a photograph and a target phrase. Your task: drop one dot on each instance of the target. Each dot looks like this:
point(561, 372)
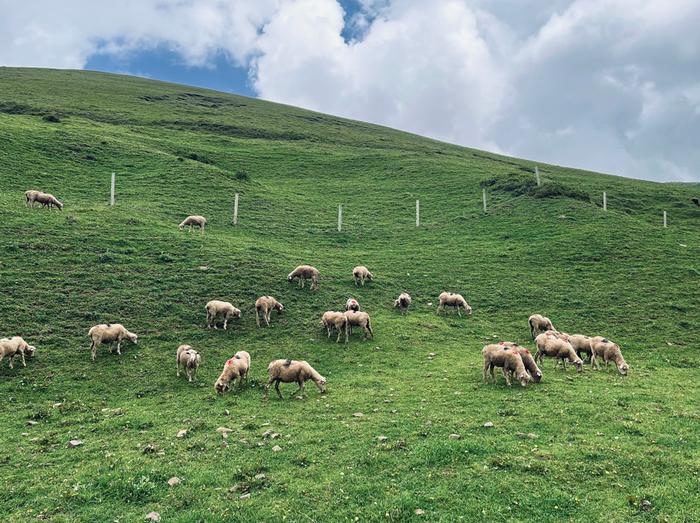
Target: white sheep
point(352, 305)
point(264, 306)
point(45, 199)
point(189, 359)
point(193, 221)
point(361, 273)
point(235, 368)
point(557, 346)
point(403, 302)
point(303, 273)
point(290, 371)
point(539, 323)
point(506, 356)
point(335, 320)
point(220, 309)
point(453, 300)
point(359, 319)
point(609, 351)
point(109, 333)
point(11, 347)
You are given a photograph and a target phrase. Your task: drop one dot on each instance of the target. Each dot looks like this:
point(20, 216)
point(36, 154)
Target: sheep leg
point(328, 328)
point(300, 389)
point(277, 388)
point(225, 322)
point(119, 347)
point(93, 348)
point(257, 316)
point(506, 376)
point(24, 363)
point(177, 366)
point(2, 357)
point(337, 340)
point(492, 369)
point(486, 371)
point(267, 318)
point(189, 375)
point(346, 333)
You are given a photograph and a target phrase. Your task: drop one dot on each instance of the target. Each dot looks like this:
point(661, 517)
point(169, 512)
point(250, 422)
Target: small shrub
point(52, 118)
point(519, 184)
point(242, 176)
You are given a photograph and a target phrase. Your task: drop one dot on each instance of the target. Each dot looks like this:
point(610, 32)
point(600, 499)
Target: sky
point(606, 85)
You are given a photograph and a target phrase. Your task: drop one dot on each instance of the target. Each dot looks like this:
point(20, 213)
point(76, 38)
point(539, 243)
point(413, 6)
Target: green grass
point(604, 443)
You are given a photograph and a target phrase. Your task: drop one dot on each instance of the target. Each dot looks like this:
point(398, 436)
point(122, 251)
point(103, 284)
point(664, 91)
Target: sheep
point(581, 344)
point(189, 359)
point(218, 308)
point(360, 319)
point(506, 356)
point(193, 221)
point(303, 273)
point(361, 273)
point(335, 320)
point(235, 368)
point(45, 199)
point(609, 351)
point(11, 347)
point(109, 333)
point(264, 305)
point(290, 371)
point(403, 302)
point(539, 323)
point(453, 300)
point(352, 305)
point(554, 346)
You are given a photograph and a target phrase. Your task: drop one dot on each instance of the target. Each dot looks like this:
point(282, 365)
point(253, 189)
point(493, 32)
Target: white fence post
point(340, 218)
point(417, 213)
point(665, 220)
point(537, 176)
point(235, 209)
point(114, 182)
point(605, 201)
point(483, 195)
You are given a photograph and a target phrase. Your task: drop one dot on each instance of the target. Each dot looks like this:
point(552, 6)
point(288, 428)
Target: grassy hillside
point(600, 446)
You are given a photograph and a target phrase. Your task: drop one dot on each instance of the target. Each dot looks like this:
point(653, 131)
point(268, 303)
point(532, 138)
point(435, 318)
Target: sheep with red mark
point(235, 368)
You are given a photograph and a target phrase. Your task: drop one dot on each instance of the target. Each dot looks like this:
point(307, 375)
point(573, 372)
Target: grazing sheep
point(264, 305)
point(581, 344)
point(109, 333)
point(223, 309)
point(609, 351)
point(359, 319)
point(303, 273)
point(539, 323)
point(290, 371)
point(529, 362)
point(352, 305)
point(335, 320)
point(505, 355)
point(189, 359)
point(235, 368)
point(554, 346)
point(193, 221)
point(361, 273)
point(453, 300)
point(403, 302)
point(45, 199)
point(10, 347)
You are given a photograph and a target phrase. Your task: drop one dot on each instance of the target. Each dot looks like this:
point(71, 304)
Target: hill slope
point(600, 444)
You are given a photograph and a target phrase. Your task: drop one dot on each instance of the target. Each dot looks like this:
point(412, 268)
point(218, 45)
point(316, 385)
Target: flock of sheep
point(514, 360)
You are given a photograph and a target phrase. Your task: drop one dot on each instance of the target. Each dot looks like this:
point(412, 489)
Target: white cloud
point(610, 85)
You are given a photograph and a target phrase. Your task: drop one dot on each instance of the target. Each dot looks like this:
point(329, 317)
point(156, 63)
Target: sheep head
point(133, 338)
point(30, 349)
point(221, 386)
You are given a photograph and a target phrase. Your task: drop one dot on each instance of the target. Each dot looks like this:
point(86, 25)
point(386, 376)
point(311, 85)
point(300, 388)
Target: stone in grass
point(455, 436)
point(74, 443)
point(276, 448)
point(174, 481)
point(182, 433)
point(152, 516)
point(224, 431)
point(645, 505)
point(32, 422)
point(382, 439)
point(358, 414)
point(245, 496)
point(260, 476)
point(488, 425)
point(419, 512)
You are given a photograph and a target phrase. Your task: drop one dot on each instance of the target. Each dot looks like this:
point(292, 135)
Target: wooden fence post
point(537, 176)
point(114, 182)
point(417, 213)
point(483, 195)
point(605, 201)
point(665, 220)
point(340, 218)
point(235, 209)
